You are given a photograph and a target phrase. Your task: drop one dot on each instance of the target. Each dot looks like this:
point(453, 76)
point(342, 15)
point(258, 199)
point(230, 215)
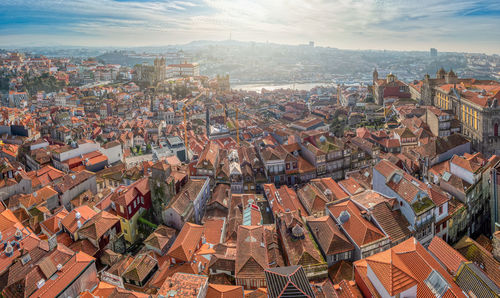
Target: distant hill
point(123, 58)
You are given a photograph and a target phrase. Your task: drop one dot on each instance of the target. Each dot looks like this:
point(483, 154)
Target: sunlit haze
point(459, 26)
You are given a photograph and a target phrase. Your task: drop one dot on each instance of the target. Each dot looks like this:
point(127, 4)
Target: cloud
point(399, 24)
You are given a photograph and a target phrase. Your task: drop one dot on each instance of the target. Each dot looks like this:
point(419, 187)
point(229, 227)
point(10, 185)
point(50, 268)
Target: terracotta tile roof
point(292, 147)
point(329, 183)
point(359, 229)
point(109, 257)
point(183, 285)
point(213, 229)
point(474, 252)
point(235, 217)
point(350, 186)
point(224, 257)
point(140, 268)
point(446, 254)
point(283, 199)
point(386, 168)
point(440, 168)
point(323, 288)
point(471, 164)
point(107, 290)
point(221, 195)
point(186, 242)
point(42, 264)
point(98, 225)
point(224, 291)
point(111, 144)
point(347, 289)
point(258, 293)
point(124, 195)
point(64, 239)
point(71, 180)
point(69, 272)
point(361, 268)
point(251, 252)
point(402, 183)
point(340, 271)
point(209, 155)
point(318, 192)
point(70, 222)
point(84, 246)
point(394, 275)
point(305, 166)
point(160, 237)
point(45, 175)
point(329, 237)
point(486, 242)
point(301, 249)
point(119, 267)
point(392, 222)
point(406, 265)
point(186, 195)
point(437, 195)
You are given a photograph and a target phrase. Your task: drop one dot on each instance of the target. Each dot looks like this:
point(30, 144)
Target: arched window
point(496, 130)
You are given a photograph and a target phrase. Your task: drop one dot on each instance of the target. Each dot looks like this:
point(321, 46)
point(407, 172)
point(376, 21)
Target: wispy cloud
point(400, 24)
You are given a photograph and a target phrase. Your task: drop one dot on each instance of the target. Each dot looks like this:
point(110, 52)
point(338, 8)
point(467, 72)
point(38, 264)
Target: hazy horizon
point(402, 25)
point(189, 43)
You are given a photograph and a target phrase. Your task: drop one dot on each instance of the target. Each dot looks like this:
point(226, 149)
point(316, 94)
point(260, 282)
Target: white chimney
point(78, 215)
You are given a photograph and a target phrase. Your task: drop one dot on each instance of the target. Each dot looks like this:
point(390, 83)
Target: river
point(258, 87)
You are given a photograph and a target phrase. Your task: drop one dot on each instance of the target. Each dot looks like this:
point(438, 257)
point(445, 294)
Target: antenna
point(237, 128)
point(185, 132)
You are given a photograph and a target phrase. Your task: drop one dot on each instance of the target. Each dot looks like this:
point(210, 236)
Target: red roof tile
point(186, 242)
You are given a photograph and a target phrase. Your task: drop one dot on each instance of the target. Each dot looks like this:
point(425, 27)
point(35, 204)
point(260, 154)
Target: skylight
point(436, 283)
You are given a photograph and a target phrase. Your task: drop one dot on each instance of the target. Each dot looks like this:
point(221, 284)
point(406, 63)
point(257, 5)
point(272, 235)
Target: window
point(135, 204)
point(440, 210)
point(142, 200)
point(436, 283)
point(121, 209)
point(129, 209)
point(438, 228)
point(444, 225)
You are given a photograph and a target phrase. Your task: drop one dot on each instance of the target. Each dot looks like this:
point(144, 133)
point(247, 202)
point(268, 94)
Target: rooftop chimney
point(18, 235)
point(9, 250)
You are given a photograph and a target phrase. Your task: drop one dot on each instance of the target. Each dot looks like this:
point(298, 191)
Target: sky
point(449, 25)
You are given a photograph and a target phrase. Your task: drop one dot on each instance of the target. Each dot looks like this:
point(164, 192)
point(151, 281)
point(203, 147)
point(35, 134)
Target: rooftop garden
point(422, 205)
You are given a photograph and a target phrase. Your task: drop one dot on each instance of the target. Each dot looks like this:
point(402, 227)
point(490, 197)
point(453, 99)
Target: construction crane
point(237, 128)
point(187, 103)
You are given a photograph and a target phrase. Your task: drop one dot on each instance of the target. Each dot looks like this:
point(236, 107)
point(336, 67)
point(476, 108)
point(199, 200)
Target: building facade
point(473, 102)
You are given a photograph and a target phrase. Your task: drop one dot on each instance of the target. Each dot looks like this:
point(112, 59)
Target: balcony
point(425, 223)
point(422, 205)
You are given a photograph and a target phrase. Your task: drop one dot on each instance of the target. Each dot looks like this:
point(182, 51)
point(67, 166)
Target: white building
point(183, 70)
point(113, 151)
